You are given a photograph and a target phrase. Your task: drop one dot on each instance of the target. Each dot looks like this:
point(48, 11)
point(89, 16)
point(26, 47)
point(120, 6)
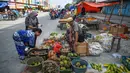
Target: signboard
point(12, 5)
point(21, 6)
point(19, 1)
point(11, 0)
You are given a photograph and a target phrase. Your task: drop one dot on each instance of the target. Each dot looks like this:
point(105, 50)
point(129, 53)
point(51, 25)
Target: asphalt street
point(9, 61)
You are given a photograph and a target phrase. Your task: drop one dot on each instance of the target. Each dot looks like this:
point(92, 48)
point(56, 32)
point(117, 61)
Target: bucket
point(35, 68)
point(79, 70)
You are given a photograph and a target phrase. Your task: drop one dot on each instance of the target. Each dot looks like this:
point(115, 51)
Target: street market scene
point(65, 36)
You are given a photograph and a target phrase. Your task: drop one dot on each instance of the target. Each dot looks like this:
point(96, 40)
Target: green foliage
point(67, 6)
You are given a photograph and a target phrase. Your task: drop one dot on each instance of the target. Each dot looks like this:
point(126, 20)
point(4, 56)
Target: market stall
point(54, 56)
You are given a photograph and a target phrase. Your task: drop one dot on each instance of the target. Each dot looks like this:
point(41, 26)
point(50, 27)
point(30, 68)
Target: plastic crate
point(79, 70)
point(124, 62)
point(66, 71)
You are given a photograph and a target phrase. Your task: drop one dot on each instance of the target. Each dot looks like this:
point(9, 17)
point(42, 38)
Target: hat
point(69, 19)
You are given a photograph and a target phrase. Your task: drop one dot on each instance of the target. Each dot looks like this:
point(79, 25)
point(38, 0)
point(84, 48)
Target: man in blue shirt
point(24, 39)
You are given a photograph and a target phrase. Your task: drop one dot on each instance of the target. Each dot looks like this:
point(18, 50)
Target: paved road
point(9, 62)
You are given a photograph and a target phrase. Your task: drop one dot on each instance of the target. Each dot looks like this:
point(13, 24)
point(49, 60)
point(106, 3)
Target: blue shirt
point(26, 36)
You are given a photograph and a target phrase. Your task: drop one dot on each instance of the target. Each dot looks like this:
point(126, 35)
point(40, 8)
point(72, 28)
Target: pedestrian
point(24, 40)
point(83, 11)
point(76, 32)
point(31, 21)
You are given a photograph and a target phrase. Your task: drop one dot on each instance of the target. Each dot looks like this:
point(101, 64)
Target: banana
point(126, 70)
point(106, 65)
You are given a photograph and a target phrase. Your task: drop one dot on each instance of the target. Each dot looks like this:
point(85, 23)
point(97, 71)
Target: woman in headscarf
point(31, 21)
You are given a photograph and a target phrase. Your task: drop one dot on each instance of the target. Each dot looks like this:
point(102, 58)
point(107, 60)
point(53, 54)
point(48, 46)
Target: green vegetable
point(78, 64)
point(84, 66)
point(62, 68)
point(35, 63)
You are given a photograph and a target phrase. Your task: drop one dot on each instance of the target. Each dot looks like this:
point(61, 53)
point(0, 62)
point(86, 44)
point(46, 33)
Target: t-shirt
point(77, 28)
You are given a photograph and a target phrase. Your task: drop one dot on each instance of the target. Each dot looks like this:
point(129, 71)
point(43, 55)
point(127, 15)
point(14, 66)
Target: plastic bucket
point(35, 68)
point(72, 58)
point(66, 71)
point(43, 53)
point(82, 62)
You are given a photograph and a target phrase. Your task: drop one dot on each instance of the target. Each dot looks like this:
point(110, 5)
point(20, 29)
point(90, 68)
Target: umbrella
point(3, 4)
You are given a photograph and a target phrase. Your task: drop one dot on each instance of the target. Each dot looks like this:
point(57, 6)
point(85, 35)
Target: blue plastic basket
point(79, 70)
point(125, 62)
point(72, 58)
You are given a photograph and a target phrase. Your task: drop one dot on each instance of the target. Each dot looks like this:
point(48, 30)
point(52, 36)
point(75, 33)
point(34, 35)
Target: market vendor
point(76, 32)
point(25, 39)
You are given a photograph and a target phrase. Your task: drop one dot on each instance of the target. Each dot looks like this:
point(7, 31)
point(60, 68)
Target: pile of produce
point(52, 55)
point(56, 36)
point(98, 37)
point(64, 50)
point(113, 68)
point(50, 67)
point(65, 63)
point(96, 66)
point(35, 63)
point(53, 34)
point(78, 65)
point(128, 60)
point(72, 55)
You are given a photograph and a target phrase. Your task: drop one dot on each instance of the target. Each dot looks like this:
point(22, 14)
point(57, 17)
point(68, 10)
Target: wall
point(125, 10)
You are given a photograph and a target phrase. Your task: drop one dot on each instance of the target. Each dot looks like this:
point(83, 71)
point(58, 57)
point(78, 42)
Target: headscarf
point(33, 14)
point(32, 19)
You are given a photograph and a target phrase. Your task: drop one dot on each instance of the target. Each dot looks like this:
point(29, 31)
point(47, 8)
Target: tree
point(67, 5)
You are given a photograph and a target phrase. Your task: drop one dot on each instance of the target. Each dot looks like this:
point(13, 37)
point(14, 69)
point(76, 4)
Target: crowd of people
point(12, 14)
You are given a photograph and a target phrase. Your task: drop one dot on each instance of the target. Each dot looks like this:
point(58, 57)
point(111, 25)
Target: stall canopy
point(107, 0)
point(3, 4)
point(101, 4)
point(93, 7)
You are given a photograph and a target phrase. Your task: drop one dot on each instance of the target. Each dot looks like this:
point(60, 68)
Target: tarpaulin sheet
point(101, 4)
point(98, 4)
point(3, 4)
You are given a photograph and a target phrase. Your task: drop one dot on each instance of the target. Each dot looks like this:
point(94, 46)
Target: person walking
point(31, 21)
point(25, 39)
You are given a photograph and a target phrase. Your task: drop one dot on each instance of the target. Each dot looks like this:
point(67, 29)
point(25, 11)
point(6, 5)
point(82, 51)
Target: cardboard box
point(82, 48)
point(116, 30)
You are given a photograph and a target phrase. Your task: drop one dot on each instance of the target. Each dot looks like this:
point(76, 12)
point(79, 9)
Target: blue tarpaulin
point(3, 4)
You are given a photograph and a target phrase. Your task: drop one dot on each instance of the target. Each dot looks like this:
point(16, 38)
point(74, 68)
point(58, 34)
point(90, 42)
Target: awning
point(107, 0)
point(3, 4)
point(98, 4)
point(101, 4)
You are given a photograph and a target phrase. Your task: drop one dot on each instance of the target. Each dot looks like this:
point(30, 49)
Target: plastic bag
point(95, 48)
point(105, 39)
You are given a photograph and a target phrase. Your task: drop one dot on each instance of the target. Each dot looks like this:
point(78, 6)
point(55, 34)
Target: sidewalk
point(114, 19)
point(6, 24)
